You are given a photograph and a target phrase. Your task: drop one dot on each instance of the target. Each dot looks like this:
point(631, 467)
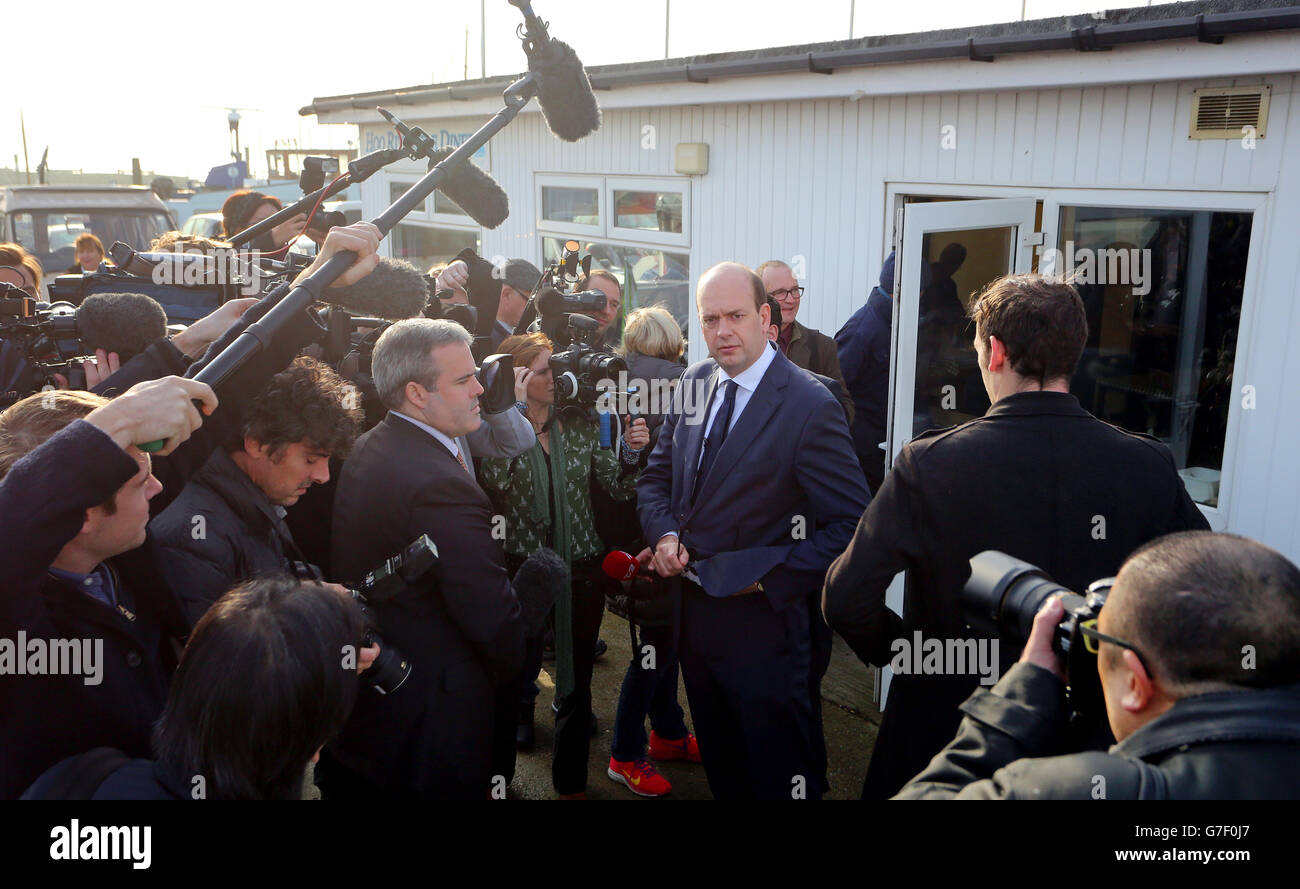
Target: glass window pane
point(444, 204)
point(957, 265)
point(659, 211)
point(580, 206)
point(648, 275)
point(425, 245)
point(51, 235)
point(1162, 292)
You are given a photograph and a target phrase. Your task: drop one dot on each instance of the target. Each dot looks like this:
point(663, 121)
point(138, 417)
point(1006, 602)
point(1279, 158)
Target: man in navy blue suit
point(749, 499)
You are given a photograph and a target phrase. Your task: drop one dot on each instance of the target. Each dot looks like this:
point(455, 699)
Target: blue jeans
point(648, 692)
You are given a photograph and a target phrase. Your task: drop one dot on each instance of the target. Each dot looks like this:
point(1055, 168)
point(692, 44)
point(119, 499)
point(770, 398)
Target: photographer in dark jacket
point(1198, 650)
point(79, 564)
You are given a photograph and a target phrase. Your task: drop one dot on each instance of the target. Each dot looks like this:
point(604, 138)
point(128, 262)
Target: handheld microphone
point(563, 89)
point(621, 566)
point(125, 323)
point(473, 190)
point(536, 584)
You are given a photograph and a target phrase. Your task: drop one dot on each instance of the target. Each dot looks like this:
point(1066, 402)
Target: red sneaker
point(639, 776)
point(682, 748)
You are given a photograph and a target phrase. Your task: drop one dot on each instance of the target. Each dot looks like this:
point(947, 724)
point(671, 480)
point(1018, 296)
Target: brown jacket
point(815, 351)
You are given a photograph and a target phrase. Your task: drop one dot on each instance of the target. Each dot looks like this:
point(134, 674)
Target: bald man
point(748, 501)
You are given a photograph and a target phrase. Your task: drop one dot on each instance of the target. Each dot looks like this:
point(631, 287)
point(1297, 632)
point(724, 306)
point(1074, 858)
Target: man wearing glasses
point(1196, 650)
point(805, 347)
point(1037, 477)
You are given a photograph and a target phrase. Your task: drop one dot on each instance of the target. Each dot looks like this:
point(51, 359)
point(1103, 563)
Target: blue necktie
point(716, 436)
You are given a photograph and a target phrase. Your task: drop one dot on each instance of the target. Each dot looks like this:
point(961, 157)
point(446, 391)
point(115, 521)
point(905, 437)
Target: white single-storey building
point(1153, 151)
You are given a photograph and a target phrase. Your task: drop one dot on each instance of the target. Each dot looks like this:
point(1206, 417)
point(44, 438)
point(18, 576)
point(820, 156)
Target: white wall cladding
point(809, 178)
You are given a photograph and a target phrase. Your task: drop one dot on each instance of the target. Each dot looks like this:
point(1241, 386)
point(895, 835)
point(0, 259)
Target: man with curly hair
point(228, 525)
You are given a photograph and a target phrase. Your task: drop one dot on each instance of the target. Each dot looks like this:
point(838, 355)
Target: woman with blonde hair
point(653, 347)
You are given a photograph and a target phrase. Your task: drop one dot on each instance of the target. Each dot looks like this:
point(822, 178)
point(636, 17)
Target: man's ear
point(416, 394)
point(253, 447)
point(997, 355)
point(1140, 687)
point(765, 315)
point(90, 520)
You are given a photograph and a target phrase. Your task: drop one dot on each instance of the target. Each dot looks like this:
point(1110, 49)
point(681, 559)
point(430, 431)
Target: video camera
point(47, 337)
point(390, 670)
point(1004, 594)
point(577, 365)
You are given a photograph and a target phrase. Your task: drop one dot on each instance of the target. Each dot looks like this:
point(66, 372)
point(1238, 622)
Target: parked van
point(47, 219)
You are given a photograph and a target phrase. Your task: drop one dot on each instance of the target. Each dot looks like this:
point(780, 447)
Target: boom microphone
point(563, 89)
point(125, 323)
point(473, 190)
point(394, 290)
point(537, 582)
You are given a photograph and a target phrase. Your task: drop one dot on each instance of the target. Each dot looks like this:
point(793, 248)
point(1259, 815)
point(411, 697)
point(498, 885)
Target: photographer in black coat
point(1198, 650)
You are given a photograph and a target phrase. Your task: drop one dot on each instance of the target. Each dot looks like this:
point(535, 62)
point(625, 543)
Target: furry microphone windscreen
point(394, 290)
point(537, 582)
point(125, 323)
point(473, 190)
point(564, 92)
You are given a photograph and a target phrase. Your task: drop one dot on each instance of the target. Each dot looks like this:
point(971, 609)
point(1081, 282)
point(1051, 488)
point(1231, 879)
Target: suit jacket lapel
point(438, 452)
point(762, 405)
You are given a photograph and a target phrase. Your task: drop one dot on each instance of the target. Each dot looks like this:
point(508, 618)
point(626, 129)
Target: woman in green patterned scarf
point(544, 495)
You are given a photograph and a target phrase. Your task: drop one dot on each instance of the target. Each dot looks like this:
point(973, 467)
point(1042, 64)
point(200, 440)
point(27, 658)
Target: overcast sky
point(102, 83)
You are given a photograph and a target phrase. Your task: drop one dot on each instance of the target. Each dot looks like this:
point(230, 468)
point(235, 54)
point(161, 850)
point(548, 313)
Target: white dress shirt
point(746, 382)
point(447, 441)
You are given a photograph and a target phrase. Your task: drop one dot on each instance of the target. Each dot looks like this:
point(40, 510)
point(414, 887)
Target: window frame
point(1231, 202)
point(680, 186)
point(556, 180)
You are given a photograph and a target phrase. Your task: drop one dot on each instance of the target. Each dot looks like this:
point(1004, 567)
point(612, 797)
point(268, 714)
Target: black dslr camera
point(398, 572)
point(1004, 594)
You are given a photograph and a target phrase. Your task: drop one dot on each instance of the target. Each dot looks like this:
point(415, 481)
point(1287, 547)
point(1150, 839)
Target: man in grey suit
point(748, 501)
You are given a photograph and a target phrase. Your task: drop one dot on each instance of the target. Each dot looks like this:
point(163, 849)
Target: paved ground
point(848, 712)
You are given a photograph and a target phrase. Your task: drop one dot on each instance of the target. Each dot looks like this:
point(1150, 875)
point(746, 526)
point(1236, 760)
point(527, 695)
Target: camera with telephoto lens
point(1004, 594)
point(396, 574)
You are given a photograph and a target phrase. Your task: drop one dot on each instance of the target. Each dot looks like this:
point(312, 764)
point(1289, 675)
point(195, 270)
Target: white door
point(950, 251)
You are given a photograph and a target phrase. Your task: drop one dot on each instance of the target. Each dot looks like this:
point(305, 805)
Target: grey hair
point(404, 354)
